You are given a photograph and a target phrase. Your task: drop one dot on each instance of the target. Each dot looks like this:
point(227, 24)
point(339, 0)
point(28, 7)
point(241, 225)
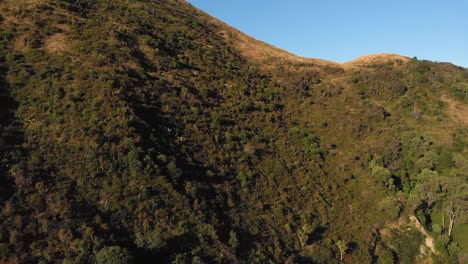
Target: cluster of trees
point(429, 182)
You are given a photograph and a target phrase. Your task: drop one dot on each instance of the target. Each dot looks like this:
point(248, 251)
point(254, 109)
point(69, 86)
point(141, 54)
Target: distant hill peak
point(377, 58)
point(264, 54)
point(268, 55)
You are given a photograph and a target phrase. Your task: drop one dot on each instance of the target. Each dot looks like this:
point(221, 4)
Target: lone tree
point(456, 205)
point(342, 247)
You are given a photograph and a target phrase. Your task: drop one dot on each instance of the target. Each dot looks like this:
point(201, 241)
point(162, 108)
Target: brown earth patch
point(21, 43)
point(56, 43)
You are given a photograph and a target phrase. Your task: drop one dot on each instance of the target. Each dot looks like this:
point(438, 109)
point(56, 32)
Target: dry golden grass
point(379, 58)
point(20, 43)
point(264, 54)
point(148, 51)
point(269, 56)
point(457, 114)
point(56, 43)
point(24, 4)
point(456, 110)
point(27, 2)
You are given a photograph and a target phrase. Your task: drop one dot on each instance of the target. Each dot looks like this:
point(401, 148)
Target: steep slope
point(148, 130)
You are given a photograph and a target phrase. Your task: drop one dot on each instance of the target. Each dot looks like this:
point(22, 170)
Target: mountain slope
point(150, 130)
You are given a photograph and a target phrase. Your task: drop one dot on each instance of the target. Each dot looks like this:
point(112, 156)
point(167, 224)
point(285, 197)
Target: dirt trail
point(429, 241)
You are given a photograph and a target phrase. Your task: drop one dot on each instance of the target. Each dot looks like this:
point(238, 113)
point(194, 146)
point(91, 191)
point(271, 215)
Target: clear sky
point(342, 30)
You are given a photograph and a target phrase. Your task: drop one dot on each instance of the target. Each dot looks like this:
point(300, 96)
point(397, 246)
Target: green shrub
point(114, 255)
point(460, 90)
point(406, 242)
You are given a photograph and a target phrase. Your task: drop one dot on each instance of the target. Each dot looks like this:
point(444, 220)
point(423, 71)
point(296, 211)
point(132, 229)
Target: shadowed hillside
point(142, 131)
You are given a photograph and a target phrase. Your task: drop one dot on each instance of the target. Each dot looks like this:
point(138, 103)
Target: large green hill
point(150, 132)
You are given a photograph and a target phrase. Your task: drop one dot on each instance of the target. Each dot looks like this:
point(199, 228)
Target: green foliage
point(384, 254)
point(420, 69)
point(342, 247)
point(150, 239)
point(383, 176)
point(309, 141)
point(406, 242)
point(114, 255)
point(233, 241)
point(460, 90)
point(391, 207)
point(429, 160)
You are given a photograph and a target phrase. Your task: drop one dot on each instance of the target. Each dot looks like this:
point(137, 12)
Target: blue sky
point(342, 30)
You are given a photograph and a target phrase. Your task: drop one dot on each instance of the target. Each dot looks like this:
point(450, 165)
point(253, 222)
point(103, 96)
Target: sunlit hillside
point(148, 131)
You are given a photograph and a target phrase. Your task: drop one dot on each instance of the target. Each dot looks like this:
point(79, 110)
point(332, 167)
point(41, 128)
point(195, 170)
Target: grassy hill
point(142, 131)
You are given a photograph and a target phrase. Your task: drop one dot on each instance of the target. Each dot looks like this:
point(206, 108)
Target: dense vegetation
point(135, 131)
